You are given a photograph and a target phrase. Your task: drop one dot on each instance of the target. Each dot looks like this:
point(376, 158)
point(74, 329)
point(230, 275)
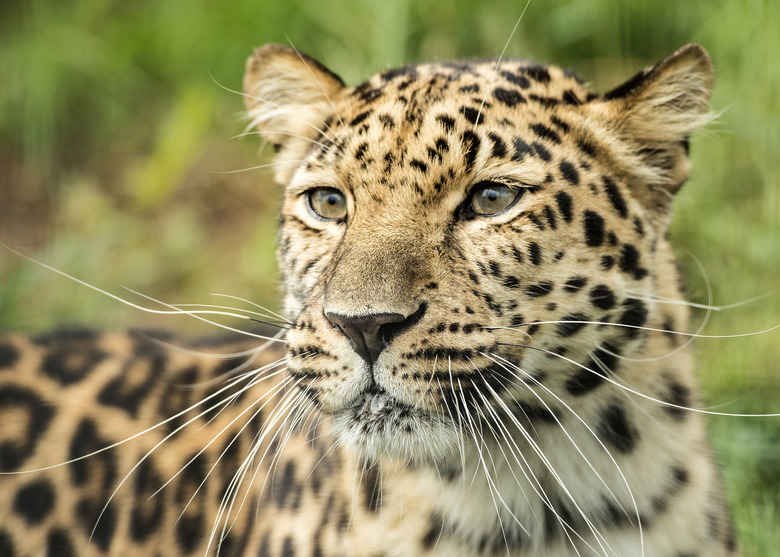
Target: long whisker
point(505, 434)
point(221, 403)
point(280, 414)
point(140, 433)
point(319, 84)
point(258, 306)
point(637, 327)
point(637, 393)
point(500, 58)
point(508, 367)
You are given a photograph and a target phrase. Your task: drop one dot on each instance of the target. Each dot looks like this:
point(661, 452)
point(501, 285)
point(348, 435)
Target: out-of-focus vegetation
point(122, 162)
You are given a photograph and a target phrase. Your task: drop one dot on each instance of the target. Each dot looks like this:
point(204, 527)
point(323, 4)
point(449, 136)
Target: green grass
point(119, 142)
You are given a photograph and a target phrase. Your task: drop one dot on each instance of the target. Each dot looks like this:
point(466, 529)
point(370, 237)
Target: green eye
point(327, 203)
point(489, 198)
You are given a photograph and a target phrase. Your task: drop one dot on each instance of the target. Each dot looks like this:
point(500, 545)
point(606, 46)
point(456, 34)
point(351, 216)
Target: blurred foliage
point(123, 161)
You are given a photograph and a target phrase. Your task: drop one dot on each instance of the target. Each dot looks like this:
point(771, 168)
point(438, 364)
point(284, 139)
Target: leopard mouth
point(379, 425)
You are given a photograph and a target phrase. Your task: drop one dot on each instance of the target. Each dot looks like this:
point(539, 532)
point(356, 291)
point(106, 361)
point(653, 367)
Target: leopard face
point(465, 243)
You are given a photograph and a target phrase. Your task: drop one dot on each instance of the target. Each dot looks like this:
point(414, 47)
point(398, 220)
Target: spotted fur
point(458, 380)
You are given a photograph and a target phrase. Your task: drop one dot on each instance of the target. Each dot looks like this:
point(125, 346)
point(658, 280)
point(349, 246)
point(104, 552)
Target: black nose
point(370, 334)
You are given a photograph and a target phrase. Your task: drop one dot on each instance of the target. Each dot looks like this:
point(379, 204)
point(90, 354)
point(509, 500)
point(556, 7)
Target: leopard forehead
point(429, 128)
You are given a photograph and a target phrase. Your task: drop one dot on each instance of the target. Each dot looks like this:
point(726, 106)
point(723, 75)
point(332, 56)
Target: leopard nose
point(370, 334)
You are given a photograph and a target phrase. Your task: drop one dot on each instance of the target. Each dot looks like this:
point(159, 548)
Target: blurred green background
point(122, 162)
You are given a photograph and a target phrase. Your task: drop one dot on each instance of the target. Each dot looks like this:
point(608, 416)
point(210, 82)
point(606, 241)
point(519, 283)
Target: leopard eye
point(327, 203)
point(490, 198)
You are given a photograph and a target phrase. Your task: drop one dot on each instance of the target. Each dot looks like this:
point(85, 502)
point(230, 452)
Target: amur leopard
point(482, 353)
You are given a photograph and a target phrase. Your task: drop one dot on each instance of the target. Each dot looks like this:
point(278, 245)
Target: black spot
point(535, 413)
point(629, 262)
point(560, 124)
point(137, 378)
point(511, 282)
point(535, 253)
point(471, 145)
point(499, 147)
point(602, 297)
point(359, 118)
point(538, 73)
point(473, 88)
point(544, 132)
point(509, 97)
point(391, 74)
point(539, 289)
point(288, 547)
point(373, 490)
point(635, 315)
point(570, 97)
point(284, 488)
point(680, 476)
point(564, 202)
point(549, 215)
point(8, 355)
point(99, 469)
point(542, 151)
point(101, 528)
point(387, 121)
point(569, 173)
point(58, 544)
point(574, 322)
point(191, 525)
point(473, 115)
point(7, 546)
point(574, 284)
point(680, 396)
point(522, 149)
point(146, 516)
point(603, 362)
point(434, 532)
point(586, 147)
point(16, 401)
point(366, 93)
point(361, 151)
point(447, 122)
point(615, 429)
point(519, 80)
point(495, 268)
point(34, 502)
point(615, 197)
point(607, 262)
point(419, 165)
point(517, 320)
point(594, 228)
point(69, 360)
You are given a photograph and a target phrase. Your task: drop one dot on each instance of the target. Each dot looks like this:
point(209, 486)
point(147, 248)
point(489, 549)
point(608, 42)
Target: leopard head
point(465, 241)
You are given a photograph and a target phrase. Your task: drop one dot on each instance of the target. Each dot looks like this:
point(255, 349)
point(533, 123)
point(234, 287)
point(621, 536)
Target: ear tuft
point(287, 94)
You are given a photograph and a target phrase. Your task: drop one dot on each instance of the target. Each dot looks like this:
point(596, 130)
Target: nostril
point(369, 334)
point(391, 330)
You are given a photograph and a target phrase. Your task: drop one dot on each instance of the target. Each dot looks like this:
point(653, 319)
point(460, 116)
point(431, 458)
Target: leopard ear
point(287, 94)
point(654, 113)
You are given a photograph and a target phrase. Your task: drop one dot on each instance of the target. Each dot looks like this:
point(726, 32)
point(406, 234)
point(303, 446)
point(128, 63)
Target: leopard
point(484, 351)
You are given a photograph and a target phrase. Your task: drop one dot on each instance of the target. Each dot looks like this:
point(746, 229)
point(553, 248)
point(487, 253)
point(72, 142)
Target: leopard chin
point(378, 426)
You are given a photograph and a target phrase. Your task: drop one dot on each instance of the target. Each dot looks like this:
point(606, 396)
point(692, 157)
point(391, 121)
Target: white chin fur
point(379, 426)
